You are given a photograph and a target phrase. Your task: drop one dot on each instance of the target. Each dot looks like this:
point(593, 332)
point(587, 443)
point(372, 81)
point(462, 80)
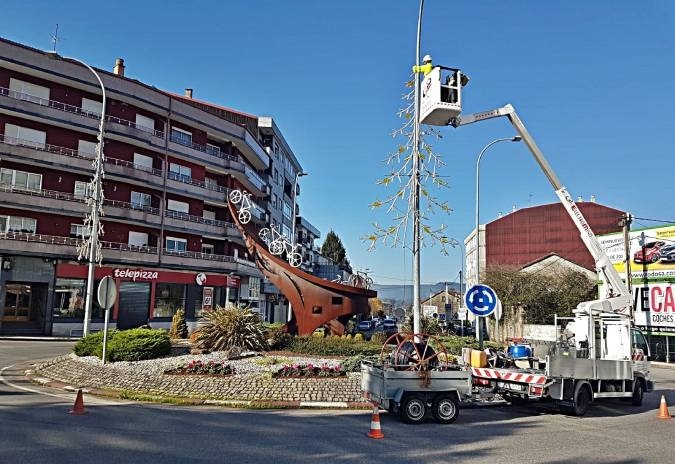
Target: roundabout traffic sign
point(481, 300)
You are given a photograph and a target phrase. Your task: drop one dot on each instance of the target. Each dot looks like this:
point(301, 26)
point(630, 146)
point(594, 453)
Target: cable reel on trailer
point(413, 352)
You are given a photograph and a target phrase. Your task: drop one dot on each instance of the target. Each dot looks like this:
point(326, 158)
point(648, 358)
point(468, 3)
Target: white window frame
point(87, 148)
point(175, 240)
point(181, 131)
point(146, 199)
point(183, 172)
point(25, 224)
point(39, 92)
point(287, 214)
point(286, 231)
point(180, 206)
point(209, 214)
point(81, 189)
point(139, 239)
point(92, 106)
point(212, 149)
point(36, 138)
point(4, 172)
point(144, 122)
point(80, 231)
point(144, 161)
point(208, 248)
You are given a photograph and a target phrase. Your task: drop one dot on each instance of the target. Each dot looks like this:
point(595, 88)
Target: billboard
point(652, 261)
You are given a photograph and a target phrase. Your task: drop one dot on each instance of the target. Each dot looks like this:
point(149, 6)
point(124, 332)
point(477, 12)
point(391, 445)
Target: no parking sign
point(481, 300)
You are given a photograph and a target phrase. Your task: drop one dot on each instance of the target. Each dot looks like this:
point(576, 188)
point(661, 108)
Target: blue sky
point(593, 81)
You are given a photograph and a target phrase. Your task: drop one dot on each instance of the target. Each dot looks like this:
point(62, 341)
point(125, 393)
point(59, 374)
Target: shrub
point(333, 347)
point(358, 336)
point(277, 337)
point(201, 367)
point(126, 345)
point(193, 337)
point(231, 326)
point(178, 326)
point(379, 337)
point(428, 325)
point(353, 363)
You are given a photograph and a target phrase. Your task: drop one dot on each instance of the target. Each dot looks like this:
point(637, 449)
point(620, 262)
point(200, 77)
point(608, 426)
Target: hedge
point(126, 345)
point(333, 346)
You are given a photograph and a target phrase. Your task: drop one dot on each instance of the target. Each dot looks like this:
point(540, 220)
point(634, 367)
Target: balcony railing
point(192, 218)
point(255, 178)
point(75, 110)
point(197, 255)
point(129, 164)
point(69, 241)
point(204, 148)
point(134, 206)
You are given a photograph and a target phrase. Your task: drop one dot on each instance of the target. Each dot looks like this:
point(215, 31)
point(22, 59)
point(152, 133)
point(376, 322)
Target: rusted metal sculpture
point(315, 302)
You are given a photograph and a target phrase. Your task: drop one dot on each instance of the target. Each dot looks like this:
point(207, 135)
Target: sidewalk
point(38, 338)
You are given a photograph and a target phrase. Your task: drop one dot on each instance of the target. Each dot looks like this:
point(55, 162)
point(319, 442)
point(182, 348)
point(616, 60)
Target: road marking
point(67, 397)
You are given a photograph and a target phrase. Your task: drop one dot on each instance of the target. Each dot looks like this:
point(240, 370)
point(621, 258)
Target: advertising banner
point(652, 260)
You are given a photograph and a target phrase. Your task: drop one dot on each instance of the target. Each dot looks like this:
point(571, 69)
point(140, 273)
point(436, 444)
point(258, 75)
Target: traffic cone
point(663, 409)
point(375, 430)
point(78, 407)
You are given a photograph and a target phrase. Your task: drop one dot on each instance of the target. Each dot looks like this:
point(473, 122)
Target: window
point(31, 92)
point(209, 214)
point(275, 200)
point(253, 287)
point(180, 172)
point(210, 182)
point(143, 161)
point(4, 220)
point(287, 211)
point(144, 122)
point(276, 176)
point(21, 224)
point(18, 135)
point(20, 179)
point(181, 136)
point(81, 189)
point(212, 149)
point(286, 231)
point(140, 200)
point(139, 239)
point(92, 106)
point(175, 244)
point(208, 248)
point(86, 148)
point(78, 231)
point(168, 299)
point(179, 206)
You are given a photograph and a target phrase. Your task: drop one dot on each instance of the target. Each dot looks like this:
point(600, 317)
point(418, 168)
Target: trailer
point(413, 380)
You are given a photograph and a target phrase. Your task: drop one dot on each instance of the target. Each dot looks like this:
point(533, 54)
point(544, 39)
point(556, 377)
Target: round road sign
point(107, 292)
point(481, 300)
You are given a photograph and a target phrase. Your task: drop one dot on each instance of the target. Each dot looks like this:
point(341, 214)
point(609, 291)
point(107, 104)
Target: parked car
point(667, 254)
point(389, 326)
point(649, 253)
point(365, 326)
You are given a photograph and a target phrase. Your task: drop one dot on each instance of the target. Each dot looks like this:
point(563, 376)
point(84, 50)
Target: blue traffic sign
point(481, 300)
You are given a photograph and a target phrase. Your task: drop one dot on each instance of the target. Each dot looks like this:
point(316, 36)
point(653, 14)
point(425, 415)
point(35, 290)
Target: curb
point(38, 339)
point(662, 365)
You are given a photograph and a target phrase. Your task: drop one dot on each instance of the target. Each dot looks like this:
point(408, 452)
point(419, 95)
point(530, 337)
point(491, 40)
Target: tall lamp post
point(95, 200)
point(517, 138)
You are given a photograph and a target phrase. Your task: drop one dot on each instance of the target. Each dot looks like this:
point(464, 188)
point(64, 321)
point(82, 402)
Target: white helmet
point(426, 59)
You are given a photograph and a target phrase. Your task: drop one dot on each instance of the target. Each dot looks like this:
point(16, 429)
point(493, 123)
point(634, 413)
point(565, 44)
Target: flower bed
point(294, 371)
point(202, 368)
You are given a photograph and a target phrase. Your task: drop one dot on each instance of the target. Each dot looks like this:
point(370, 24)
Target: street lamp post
point(95, 200)
point(517, 138)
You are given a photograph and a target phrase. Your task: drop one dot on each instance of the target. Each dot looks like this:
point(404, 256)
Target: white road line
point(64, 396)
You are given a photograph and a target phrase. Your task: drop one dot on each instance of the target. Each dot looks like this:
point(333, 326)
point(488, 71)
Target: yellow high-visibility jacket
point(425, 68)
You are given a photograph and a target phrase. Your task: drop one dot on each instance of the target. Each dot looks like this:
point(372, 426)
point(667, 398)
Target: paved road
point(36, 428)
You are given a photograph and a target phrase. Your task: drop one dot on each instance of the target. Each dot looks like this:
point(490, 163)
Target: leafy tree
point(541, 294)
point(333, 249)
point(376, 307)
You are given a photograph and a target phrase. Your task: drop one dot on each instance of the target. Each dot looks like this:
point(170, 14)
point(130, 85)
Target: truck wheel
point(638, 393)
point(413, 409)
point(582, 400)
point(445, 409)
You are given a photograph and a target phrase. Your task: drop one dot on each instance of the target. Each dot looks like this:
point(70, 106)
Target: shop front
point(145, 297)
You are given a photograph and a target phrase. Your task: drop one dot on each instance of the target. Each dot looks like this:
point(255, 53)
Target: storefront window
point(69, 299)
point(168, 299)
point(215, 300)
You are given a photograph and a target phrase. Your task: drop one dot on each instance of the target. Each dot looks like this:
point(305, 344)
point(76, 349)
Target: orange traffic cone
point(78, 407)
point(663, 409)
point(375, 430)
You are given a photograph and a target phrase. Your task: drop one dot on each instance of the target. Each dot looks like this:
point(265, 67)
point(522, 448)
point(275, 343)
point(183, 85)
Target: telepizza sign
point(135, 274)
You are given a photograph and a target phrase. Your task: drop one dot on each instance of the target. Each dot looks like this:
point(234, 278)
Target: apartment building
point(170, 162)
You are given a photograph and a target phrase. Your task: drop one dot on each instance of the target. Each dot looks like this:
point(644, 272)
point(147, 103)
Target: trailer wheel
point(638, 393)
point(413, 409)
point(445, 409)
point(582, 400)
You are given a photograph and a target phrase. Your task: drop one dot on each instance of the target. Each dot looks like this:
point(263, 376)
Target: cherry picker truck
point(606, 357)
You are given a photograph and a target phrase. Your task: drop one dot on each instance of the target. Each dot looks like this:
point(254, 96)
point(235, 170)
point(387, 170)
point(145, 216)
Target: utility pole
point(625, 222)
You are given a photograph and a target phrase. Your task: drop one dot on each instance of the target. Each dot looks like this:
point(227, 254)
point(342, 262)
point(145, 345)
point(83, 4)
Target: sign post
point(482, 301)
point(106, 296)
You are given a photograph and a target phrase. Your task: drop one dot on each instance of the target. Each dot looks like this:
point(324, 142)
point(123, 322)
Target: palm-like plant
point(231, 326)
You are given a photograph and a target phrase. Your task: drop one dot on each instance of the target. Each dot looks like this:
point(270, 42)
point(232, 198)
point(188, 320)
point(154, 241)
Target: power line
point(654, 220)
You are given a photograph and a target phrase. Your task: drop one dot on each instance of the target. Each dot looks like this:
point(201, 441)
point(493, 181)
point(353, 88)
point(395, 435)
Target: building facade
point(170, 163)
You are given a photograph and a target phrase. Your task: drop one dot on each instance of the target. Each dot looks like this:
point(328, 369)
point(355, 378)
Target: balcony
point(56, 246)
point(184, 184)
point(132, 129)
point(50, 109)
point(192, 259)
point(197, 224)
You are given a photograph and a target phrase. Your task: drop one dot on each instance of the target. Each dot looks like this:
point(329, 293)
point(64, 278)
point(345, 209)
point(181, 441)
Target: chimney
point(580, 199)
point(119, 67)
point(592, 198)
point(188, 93)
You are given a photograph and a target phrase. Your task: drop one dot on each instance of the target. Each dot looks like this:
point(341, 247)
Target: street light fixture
point(95, 199)
point(517, 138)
